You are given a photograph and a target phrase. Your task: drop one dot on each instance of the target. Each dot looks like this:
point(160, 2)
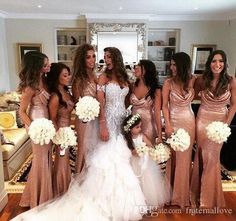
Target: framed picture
point(25, 47)
point(200, 54)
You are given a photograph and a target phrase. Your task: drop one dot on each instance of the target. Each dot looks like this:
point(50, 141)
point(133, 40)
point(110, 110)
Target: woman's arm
point(26, 97)
point(104, 134)
point(53, 107)
point(75, 91)
point(165, 107)
point(157, 112)
point(147, 141)
point(232, 108)
point(197, 87)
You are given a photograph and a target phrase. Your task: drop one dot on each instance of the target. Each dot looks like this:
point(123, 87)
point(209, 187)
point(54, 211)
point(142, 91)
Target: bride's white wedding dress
point(107, 190)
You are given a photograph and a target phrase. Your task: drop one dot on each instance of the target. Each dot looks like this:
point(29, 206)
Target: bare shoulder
point(233, 83)
point(29, 91)
point(167, 83)
point(102, 79)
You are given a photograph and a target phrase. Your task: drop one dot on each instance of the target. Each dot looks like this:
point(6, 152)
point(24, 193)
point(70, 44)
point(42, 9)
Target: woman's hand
point(158, 140)
point(168, 131)
point(134, 153)
point(104, 134)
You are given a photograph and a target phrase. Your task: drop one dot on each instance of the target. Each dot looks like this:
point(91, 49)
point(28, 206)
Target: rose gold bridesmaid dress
point(83, 129)
point(206, 178)
point(62, 171)
point(144, 107)
point(178, 167)
point(38, 188)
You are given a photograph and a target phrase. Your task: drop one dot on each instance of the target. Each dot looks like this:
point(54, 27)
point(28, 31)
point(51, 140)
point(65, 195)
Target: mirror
point(129, 38)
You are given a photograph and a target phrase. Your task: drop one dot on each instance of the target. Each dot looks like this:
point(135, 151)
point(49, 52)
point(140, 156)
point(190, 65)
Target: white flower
point(160, 153)
point(218, 132)
point(65, 137)
point(141, 149)
point(41, 131)
point(179, 140)
point(87, 108)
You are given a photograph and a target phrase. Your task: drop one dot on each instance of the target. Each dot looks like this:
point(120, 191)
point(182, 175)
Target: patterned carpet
point(17, 183)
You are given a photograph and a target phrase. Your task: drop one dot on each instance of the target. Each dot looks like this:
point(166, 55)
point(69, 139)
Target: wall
point(42, 31)
point(33, 31)
point(205, 32)
point(4, 76)
point(231, 38)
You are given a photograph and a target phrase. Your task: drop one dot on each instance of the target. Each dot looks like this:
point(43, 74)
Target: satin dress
point(206, 187)
point(108, 189)
point(178, 167)
point(62, 170)
point(144, 107)
point(85, 131)
point(38, 188)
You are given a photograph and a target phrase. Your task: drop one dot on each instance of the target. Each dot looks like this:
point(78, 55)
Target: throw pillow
point(8, 120)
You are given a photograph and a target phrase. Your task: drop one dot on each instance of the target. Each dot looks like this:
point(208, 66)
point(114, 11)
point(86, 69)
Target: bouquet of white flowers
point(160, 153)
point(41, 131)
point(179, 140)
point(141, 149)
point(218, 132)
point(65, 137)
point(87, 108)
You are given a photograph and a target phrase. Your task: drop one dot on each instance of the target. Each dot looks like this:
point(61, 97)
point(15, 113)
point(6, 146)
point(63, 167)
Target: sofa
point(16, 146)
point(15, 151)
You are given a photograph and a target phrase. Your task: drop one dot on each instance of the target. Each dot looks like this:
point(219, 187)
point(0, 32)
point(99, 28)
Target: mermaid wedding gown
point(107, 189)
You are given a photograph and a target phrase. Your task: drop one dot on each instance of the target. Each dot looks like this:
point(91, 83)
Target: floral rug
point(17, 183)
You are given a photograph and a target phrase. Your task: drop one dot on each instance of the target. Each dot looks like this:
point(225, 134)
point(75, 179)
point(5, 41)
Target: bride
point(107, 189)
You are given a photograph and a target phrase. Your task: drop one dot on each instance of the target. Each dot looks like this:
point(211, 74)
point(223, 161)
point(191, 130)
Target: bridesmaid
point(177, 95)
point(216, 89)
point(146, 100)
point(84, 84)
point(60, 108)
point(34, 104)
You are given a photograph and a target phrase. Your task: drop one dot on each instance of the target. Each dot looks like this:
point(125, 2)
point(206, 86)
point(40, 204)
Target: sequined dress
point(206, 187)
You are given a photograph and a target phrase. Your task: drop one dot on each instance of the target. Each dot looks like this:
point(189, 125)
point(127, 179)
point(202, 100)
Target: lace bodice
point(115, 107)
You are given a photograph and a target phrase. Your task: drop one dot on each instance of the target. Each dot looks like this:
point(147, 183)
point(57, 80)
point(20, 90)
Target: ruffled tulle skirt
point(107, 189)
point(154, 187)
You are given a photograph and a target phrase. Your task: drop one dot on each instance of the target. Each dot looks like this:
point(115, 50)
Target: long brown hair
point(53, 80)
point(183, 67)
point(118, 65)
point(224, 79)
point(127, 134)
point(79, 65)
point(32, 64)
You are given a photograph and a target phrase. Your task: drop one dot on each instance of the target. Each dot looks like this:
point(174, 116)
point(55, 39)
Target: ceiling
point(135, 9)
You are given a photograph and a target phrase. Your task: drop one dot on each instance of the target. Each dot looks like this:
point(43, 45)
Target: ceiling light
point(120, 8)
point(39, 6)
point(195, 8)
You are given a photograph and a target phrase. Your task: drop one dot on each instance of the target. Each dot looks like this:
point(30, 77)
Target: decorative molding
point(140, 28)
point(92, 17)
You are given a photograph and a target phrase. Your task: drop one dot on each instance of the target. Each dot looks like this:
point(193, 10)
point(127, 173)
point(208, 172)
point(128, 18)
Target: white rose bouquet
point(65, 137)
point(141, 149)
point(41, 131)
point(160, 153)
point(218, 131)
point(87, 108)
point(179, 140)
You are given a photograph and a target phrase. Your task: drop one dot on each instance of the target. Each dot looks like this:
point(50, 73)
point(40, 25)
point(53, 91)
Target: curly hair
point(183, 67)
point(128, 135)
point(150, 77)
point(224, 79)
point(52, 80)
point(79, 65)
point(32, 64)
point(118, 65)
